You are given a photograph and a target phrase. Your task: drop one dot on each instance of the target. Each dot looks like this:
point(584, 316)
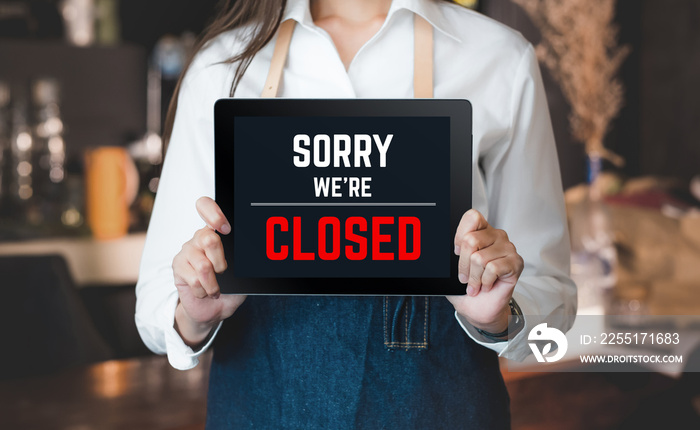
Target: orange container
point(111, 182)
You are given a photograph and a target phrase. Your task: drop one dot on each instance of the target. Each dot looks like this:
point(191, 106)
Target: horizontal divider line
point(342, 204)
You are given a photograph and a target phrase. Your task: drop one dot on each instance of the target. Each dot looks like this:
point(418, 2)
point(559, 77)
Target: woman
point(375, 362)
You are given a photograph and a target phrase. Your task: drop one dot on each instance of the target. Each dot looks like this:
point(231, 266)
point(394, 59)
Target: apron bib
point(317, 362)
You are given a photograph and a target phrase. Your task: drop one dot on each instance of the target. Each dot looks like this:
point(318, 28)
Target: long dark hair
point(264, 15)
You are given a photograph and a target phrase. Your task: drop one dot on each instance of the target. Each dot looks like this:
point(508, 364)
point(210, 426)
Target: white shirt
point(516, 182)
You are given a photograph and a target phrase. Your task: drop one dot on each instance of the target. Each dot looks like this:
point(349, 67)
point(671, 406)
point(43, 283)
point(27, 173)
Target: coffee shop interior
point(84, 87)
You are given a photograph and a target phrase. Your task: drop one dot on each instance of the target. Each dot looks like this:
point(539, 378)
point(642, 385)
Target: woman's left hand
point(490, 267)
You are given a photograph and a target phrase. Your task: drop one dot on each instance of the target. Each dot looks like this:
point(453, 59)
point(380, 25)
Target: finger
point(205, 274)
point(186, 278)
point(471, 221)
point(210, 242)
point(212, 215)
point(501, 268)
point(463, 268)
point(478, 263)
point(472, 242)
point(476, 240)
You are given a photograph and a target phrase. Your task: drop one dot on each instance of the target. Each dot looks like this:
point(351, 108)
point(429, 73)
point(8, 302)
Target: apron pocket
point(406, 322)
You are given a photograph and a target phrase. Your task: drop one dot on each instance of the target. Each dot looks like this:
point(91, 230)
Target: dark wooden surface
point(141, 393)
point(146, 393)
point(622, 401)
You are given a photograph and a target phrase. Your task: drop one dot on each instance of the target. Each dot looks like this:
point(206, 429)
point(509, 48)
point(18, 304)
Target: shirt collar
point(298, 10)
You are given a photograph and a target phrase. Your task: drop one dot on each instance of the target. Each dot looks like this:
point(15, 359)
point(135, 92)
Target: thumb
point(212, 215)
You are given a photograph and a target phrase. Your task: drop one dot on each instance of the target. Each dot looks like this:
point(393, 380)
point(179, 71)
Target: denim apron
point(318, 362)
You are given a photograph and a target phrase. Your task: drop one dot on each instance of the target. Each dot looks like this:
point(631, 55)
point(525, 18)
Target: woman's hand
point(202, 306)
point(490, 266)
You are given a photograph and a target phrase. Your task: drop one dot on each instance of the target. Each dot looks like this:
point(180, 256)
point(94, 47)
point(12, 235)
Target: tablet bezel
point(460, 113)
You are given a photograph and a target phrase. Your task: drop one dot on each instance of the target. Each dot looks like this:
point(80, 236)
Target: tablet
point(342, 197)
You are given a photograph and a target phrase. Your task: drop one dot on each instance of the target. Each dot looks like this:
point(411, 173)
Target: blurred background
point(84, 86)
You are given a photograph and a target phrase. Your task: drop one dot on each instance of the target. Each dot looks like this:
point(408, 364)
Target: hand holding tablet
point(201, 305)
point(491, 266)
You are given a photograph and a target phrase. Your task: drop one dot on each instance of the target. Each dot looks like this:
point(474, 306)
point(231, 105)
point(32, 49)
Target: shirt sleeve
point(188, 173)
point(526, 199)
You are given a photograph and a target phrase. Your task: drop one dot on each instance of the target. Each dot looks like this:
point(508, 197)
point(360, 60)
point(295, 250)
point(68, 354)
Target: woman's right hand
point(202, 306)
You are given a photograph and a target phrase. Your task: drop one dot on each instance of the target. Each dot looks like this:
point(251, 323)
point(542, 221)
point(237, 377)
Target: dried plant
point(580, 48)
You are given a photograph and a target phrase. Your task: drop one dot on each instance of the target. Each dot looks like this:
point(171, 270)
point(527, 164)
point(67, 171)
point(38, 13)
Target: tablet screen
point(341, 197)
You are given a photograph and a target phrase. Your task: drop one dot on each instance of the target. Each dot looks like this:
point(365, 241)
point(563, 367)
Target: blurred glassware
point(49, 128)
point(631, 299)
point(169, 55)
point(593, 253)
point(79, 21)
point(49, 152)
point(695, 187)
point(166, 64)
point(21, 145)
point(146, 153)
point(108, 26)
point(111, 182)
point(5, 127)
point(630, 304)
point(72, 212)
point(151, 145)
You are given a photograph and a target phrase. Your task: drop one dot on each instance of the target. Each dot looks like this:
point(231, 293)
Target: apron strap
point(422, 58)
point(279, 57)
